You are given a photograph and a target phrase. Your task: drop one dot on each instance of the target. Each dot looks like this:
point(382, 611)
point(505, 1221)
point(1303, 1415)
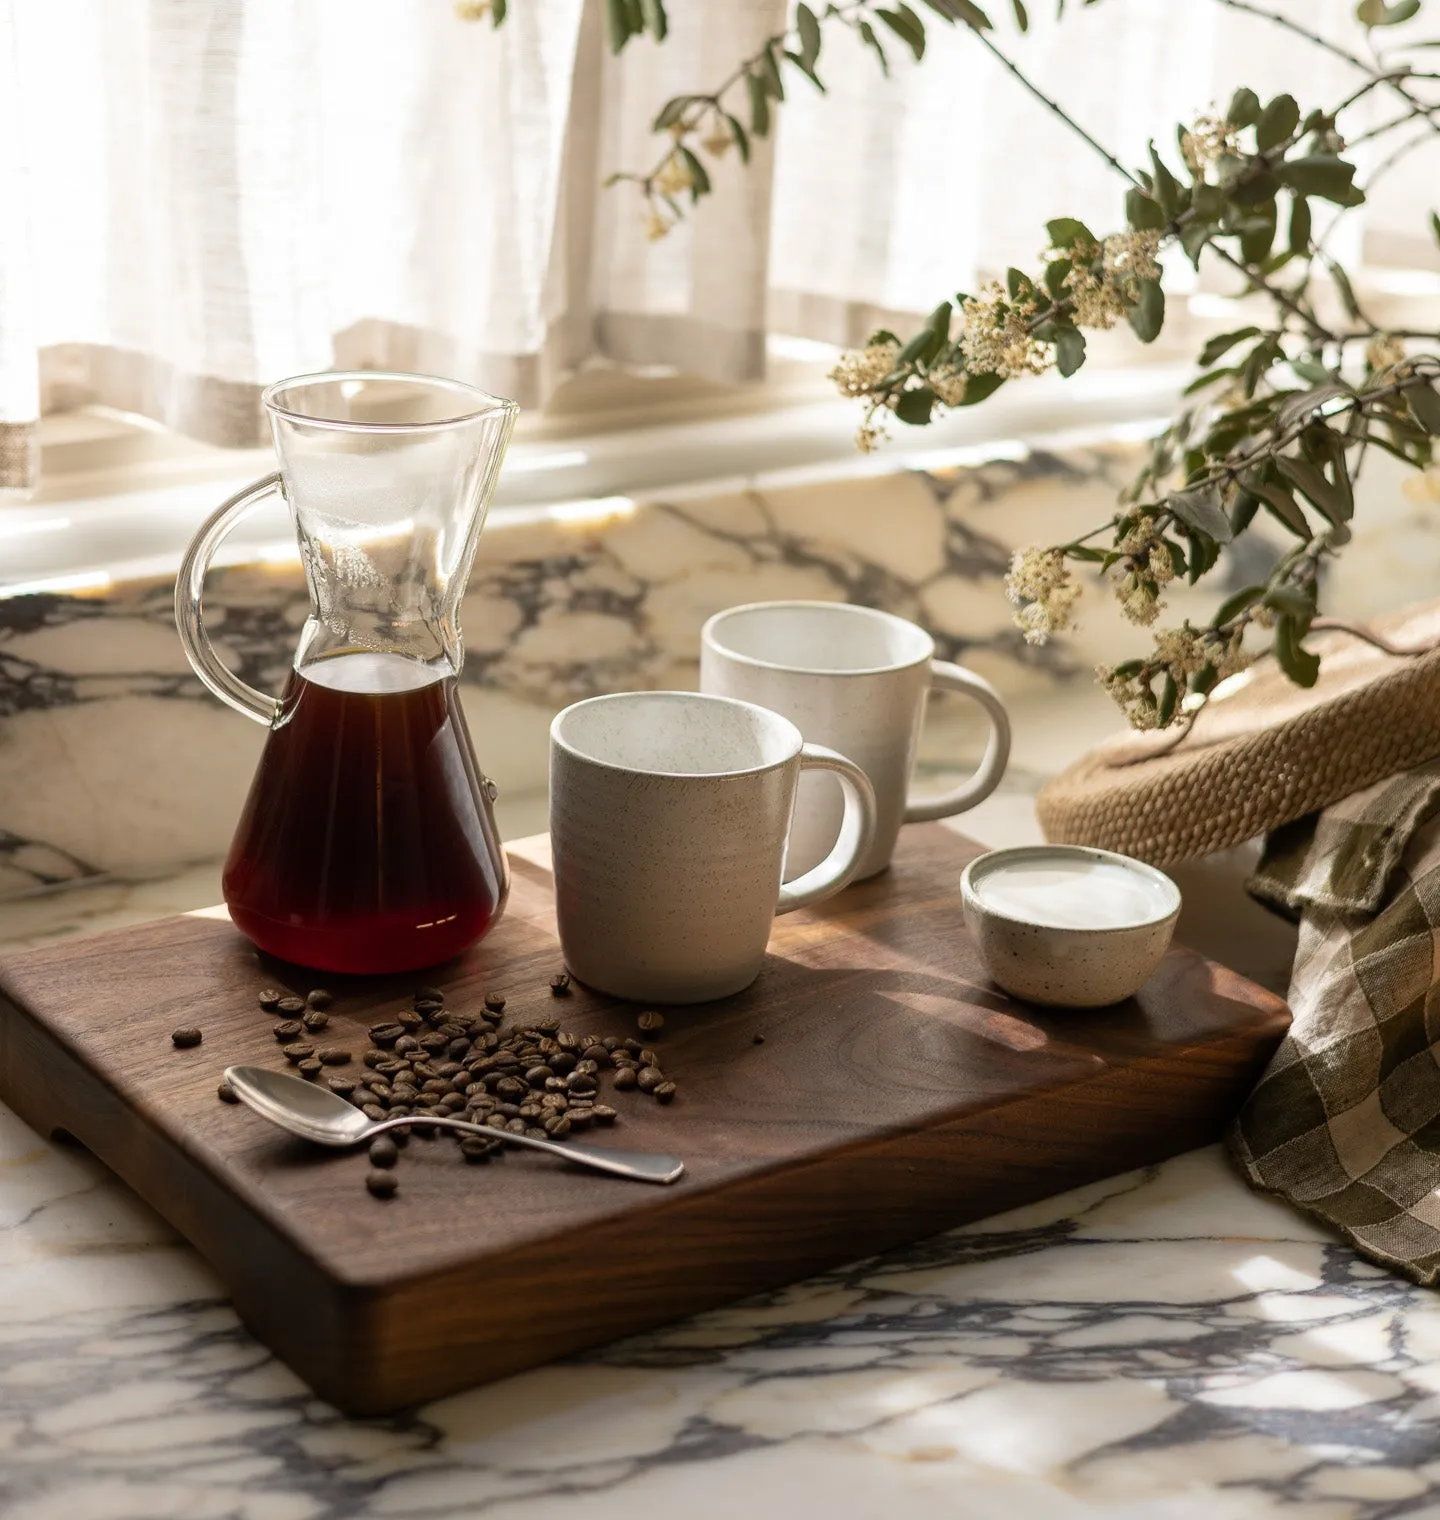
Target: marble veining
point(1160, 1344)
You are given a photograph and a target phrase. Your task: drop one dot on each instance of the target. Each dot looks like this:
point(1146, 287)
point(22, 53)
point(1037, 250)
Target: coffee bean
point(664, 1093)
point(648, 1023)
point(650, 1078)
point(580, 1118)
point(508, 1110)
point(649, 1056)
point(557, 1126)
point(510, 1087)
point(309, 1069)
point(385, 1034)
point(319, 997)
point(563, 1039)
point(597, 1055)
point(334, 1055)
point(226, 1093)
point(288, 1029)
point(611, 1042)
point(580, 1083)
point(560, 984)
point(625, 1079)
point(342, 1085)
point(433, 1042)
point(586, 1068)
point(297, 1053)
point(494, 1002)
point(405, 1044)
point(633, 1046)
point(459, 1048)
point(381, 1184)
point(537, 1074)
point(186, 1037)
point(293, 1007)
point(604, 1114)
point(409, 1020)
point(269, 997)
point(496, 1121)
point(315, 1021)
point(758, 1039)
point(428, 995)
point(477, 1148)
point(516, 1126)
point(383, 1151)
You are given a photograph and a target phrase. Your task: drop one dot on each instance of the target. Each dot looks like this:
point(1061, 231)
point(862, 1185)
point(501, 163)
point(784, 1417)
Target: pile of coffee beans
point(537, 1079)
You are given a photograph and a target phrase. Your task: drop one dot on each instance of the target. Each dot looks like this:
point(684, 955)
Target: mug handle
point(857, 830)
point(190, 620)
point(950, 677)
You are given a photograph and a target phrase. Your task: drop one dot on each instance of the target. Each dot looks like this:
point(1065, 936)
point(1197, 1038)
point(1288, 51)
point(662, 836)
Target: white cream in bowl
point(1066, 925)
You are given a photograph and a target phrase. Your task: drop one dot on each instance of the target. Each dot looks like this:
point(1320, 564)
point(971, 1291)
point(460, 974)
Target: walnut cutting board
point(896, 1093)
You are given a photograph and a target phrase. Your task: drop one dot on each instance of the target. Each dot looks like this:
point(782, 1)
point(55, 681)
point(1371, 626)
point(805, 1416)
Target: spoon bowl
point(317, 1114)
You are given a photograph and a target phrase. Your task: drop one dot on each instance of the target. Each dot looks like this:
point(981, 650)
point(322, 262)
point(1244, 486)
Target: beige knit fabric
point(1263, 755)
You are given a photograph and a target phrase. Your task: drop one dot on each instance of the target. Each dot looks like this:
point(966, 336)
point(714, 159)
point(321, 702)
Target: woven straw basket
point(1262, 754)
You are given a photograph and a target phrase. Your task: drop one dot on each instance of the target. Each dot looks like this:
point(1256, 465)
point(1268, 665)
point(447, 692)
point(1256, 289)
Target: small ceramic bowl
point(1067, 926)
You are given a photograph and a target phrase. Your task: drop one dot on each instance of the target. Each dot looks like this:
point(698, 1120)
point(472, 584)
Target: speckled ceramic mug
point(669, 815)
point(855, 679)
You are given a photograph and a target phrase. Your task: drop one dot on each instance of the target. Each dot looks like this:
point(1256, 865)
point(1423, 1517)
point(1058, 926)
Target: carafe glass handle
point(190, 620)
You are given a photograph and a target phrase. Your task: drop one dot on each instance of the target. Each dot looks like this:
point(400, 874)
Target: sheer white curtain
point(200, 196)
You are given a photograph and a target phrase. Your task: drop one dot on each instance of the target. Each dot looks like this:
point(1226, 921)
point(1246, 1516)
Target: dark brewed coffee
point(367, 844)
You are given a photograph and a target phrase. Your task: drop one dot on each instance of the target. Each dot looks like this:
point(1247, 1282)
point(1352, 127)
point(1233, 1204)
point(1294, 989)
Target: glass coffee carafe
point(368, 843)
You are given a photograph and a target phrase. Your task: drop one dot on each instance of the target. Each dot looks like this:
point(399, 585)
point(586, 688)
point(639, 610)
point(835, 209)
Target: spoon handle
point(638, 1166)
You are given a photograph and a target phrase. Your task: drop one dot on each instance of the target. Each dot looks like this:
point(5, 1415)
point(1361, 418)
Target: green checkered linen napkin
point(1345, 1123)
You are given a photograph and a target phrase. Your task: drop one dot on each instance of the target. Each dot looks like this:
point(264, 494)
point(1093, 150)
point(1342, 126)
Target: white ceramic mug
point(669, 814)
point(854, 679)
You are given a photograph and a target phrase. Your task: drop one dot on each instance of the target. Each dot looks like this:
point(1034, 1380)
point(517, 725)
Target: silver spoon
point(326, 1118)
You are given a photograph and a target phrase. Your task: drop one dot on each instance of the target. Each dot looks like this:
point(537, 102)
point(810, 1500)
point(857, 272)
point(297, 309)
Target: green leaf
point(1022, 16)
point(1277, 121)
point(914, 406)
point(770, 74)
point(1299, 238)
point(1311, 371)
point(1018, 283)
point(1242, 514)
point(617, 24)
point(1169, 701)
point(1057, 271)
point(1222, 343)
point(699, 179)
point(1293, 602)
point(1200, 382)
point(939, 320)
point(1069, 350)
point(1426, 406)
point(1167, 187)
point(1435, 226)
point(980, 387)
point(1143, 212)
point(1244, 108)
point(1345, 290)
point(1258, 235)
point(1378, 13)
point(671, 112)
point(498, 8)
point(1318, 174)
point(1295, 660)
point(868, 37)
point(908, 28)
point(1193, 238)
point(1313, 484)
point(742, 140)
point(1147, 315)
point(881, 335)
point(759, 106)
point(922, 347)
point(1281, 505)
point(1066, 231)
point(809, 31)
point(657, 23)
point(807, 71)
point(963, 10)
point(1200, 509)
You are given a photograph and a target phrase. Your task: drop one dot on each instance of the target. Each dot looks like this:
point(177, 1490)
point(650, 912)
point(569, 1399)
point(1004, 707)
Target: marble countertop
point(1164, 1344)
